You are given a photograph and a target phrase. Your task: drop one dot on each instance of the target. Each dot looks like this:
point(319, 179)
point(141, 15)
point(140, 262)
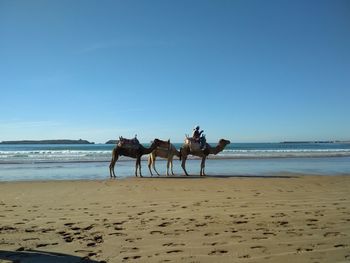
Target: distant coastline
point(80, 141)
point(286, 142)
point(111, 142)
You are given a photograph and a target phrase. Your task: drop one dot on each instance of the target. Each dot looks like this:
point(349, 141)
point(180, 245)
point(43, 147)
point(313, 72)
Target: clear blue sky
point(247, 71)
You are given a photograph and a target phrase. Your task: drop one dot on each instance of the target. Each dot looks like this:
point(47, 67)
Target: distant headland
point(112, 142)
point(316, 142)
point(80, 141)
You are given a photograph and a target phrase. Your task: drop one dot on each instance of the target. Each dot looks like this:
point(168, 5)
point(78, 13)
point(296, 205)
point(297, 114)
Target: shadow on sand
point(36, 256)
point(220, 176)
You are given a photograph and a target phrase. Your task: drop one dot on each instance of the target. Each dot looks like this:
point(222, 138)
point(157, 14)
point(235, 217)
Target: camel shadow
point(193, 176)
point(36, 256)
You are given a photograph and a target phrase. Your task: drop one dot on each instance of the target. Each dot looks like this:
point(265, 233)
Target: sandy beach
point(290, 218)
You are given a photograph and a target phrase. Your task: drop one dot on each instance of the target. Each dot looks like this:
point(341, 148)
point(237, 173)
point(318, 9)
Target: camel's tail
point(180, 154)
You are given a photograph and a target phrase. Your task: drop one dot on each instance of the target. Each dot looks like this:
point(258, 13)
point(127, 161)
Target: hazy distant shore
point(291, 142)
point(80, 141)
point(64, 141)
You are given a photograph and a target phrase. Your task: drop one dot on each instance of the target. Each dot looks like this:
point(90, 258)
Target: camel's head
point(224, 142)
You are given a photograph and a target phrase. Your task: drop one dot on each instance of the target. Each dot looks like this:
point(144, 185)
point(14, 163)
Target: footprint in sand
point(164, 224)
point(174, 251)
point(91, 244)
point(98, 239)
point(301, 250)
point(244, 256)
point(172, 244)
point(132, 240)
point(282, 223)
point(240, 222)
point(7, 228)
point(215, 243)
point(211, 234)
point(130, 258)
point(278, 215)
point(331, 234)
point(340, 245)
point(21, 249)
point(45, 230)
point(119, 223)
point(66, 236)
point(89, 227)
point(30, 239)
point(259, 238)
point(68, 239)
point(156, 232)
point(311, 220)
point(218, 252)
point(259, 247)
point(46, 244)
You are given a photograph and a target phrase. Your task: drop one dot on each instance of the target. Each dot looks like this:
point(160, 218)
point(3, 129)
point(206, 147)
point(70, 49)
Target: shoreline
point(214, 168)
point(252, 219)
point(191, 157)
point(132, 177)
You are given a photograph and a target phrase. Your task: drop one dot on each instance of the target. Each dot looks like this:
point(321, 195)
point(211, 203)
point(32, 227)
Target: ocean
point(76, 161)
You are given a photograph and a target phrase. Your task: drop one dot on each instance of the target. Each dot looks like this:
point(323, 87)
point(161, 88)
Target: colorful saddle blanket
point(129, 143)
point(194, 144)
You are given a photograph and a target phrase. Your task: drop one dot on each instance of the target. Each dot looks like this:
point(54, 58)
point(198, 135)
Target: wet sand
point(290, 218)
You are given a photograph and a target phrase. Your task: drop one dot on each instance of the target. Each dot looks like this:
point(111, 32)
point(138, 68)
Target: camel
point(135, 152)
point(164, 153)
point(186, 149)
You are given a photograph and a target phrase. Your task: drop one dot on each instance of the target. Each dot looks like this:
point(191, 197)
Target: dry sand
point(237, 219)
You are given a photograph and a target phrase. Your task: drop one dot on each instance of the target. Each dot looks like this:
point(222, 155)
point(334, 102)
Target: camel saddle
point(129, 143)
point(196, 145)
point(193, 144)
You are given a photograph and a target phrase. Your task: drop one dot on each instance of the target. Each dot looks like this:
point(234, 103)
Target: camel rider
point(197, 134)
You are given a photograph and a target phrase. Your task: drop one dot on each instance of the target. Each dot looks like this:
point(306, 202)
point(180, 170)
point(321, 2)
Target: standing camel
point(136, 152)
point(167, 153)
point(186, 149)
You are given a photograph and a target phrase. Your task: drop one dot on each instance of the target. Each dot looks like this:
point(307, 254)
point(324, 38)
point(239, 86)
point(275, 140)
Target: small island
point(64, 141)
point(112, 142)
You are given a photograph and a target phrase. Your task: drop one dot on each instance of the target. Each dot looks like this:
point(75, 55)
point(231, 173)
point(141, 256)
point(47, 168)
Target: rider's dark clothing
point(197, 134)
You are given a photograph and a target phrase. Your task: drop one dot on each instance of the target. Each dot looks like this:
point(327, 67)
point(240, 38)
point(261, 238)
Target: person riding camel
point(197, 134)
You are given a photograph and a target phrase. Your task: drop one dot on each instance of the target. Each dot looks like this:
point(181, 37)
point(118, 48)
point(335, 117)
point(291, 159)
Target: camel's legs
point(203, 166)
point(111, 169)
point(167, 167)
point(138, 164)
point(154, 165)
point(149, 164)
point(171, 164)
point(183, 164)
point(112, 163)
